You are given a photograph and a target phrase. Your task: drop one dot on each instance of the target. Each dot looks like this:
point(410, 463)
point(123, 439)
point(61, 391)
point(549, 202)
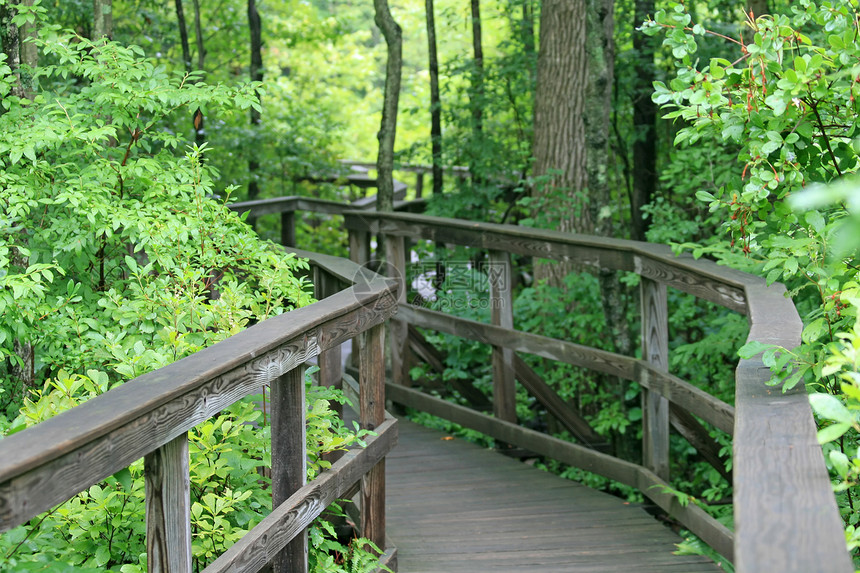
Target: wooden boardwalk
point(455, 507)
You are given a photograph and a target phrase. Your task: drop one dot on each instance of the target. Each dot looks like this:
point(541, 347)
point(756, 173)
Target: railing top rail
point(51, 461)
point(703, 278)
point(785, 512)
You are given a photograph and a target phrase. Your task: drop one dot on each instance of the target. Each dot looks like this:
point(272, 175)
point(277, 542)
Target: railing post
point(419, 184)
point(288, 228)
point(655, 350)
point(168, 507)
point(372, 413)
point(289, 470)
point(331, 367)
point(359, 247)
point(395, 253)
point(502, 314)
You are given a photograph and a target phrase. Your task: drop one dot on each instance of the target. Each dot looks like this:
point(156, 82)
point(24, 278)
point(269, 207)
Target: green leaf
point(752, 348)
point(123, 476)
point(831, 408)
point(832, 432)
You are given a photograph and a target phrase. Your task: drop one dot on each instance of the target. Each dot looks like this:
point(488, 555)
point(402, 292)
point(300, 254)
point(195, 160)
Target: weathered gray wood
point(395, 255)
point(655, 351)
point(288, 228)
point(502, 314)
point(687, 396)
point(700, 277)
point(289, 455)
point(691, 516)
point(556, 406)
point(785, 514)
point(567, 352)
point(457, 507)
point(259, 546)
point(52, 461)
point(372, 413)
point(699, 438)
point(168, 507)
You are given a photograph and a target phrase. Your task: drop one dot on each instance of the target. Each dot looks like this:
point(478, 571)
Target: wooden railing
point(151, 415)
point(784, 509)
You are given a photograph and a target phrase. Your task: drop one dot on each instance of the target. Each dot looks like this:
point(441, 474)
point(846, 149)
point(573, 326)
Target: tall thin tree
point(388, 128)
point(256, 72)
point(435, 99)
point(183, 36)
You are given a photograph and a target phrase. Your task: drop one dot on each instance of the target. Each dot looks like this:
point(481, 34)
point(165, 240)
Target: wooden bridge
point(444, 505)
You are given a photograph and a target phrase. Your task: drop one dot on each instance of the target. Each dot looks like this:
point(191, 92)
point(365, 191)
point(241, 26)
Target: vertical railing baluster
point(372, 414)
point(168, 511)
point(289, 471)
point(502, 314)
point(359, 246)
point(395, 254)
point(419, 183)
point(655, 350)
point(288, 228)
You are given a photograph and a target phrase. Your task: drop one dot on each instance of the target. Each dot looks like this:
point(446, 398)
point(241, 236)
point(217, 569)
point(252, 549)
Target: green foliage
point(117, 258)
point(785, 97)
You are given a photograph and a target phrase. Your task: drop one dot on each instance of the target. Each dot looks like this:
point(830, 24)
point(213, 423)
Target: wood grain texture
point(655, 351)
point(168, 508)
point(567, 352)
point(54, 460)
point(687, 396)
point(371, 345)
point(700, 277)
point(289, 459)
point(785, 513)
point(502, 315)
point(395, 255)
point(691, 516)
point(259, 546)
point(456, 507)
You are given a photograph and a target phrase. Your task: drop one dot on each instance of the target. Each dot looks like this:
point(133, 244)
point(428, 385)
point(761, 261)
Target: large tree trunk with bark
point(559, 129)
point(102, 19)
point(435, 99)
point(388, 128)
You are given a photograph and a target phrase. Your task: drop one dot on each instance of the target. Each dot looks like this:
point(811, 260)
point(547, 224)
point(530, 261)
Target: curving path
point(455, 507)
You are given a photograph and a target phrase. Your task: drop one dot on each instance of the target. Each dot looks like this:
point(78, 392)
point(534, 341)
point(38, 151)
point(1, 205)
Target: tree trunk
point(644, 121)
point(256, 71)
point(11, 45)
point(102, 19)
point(388, 128)
point(198, 33)
point(559, 129)
point(183, 36)
point(600, 48)
point(435, 99)
point(477, 95)
point(199, 131)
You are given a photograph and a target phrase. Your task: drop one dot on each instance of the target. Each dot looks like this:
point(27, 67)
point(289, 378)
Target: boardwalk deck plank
point(454, 507)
